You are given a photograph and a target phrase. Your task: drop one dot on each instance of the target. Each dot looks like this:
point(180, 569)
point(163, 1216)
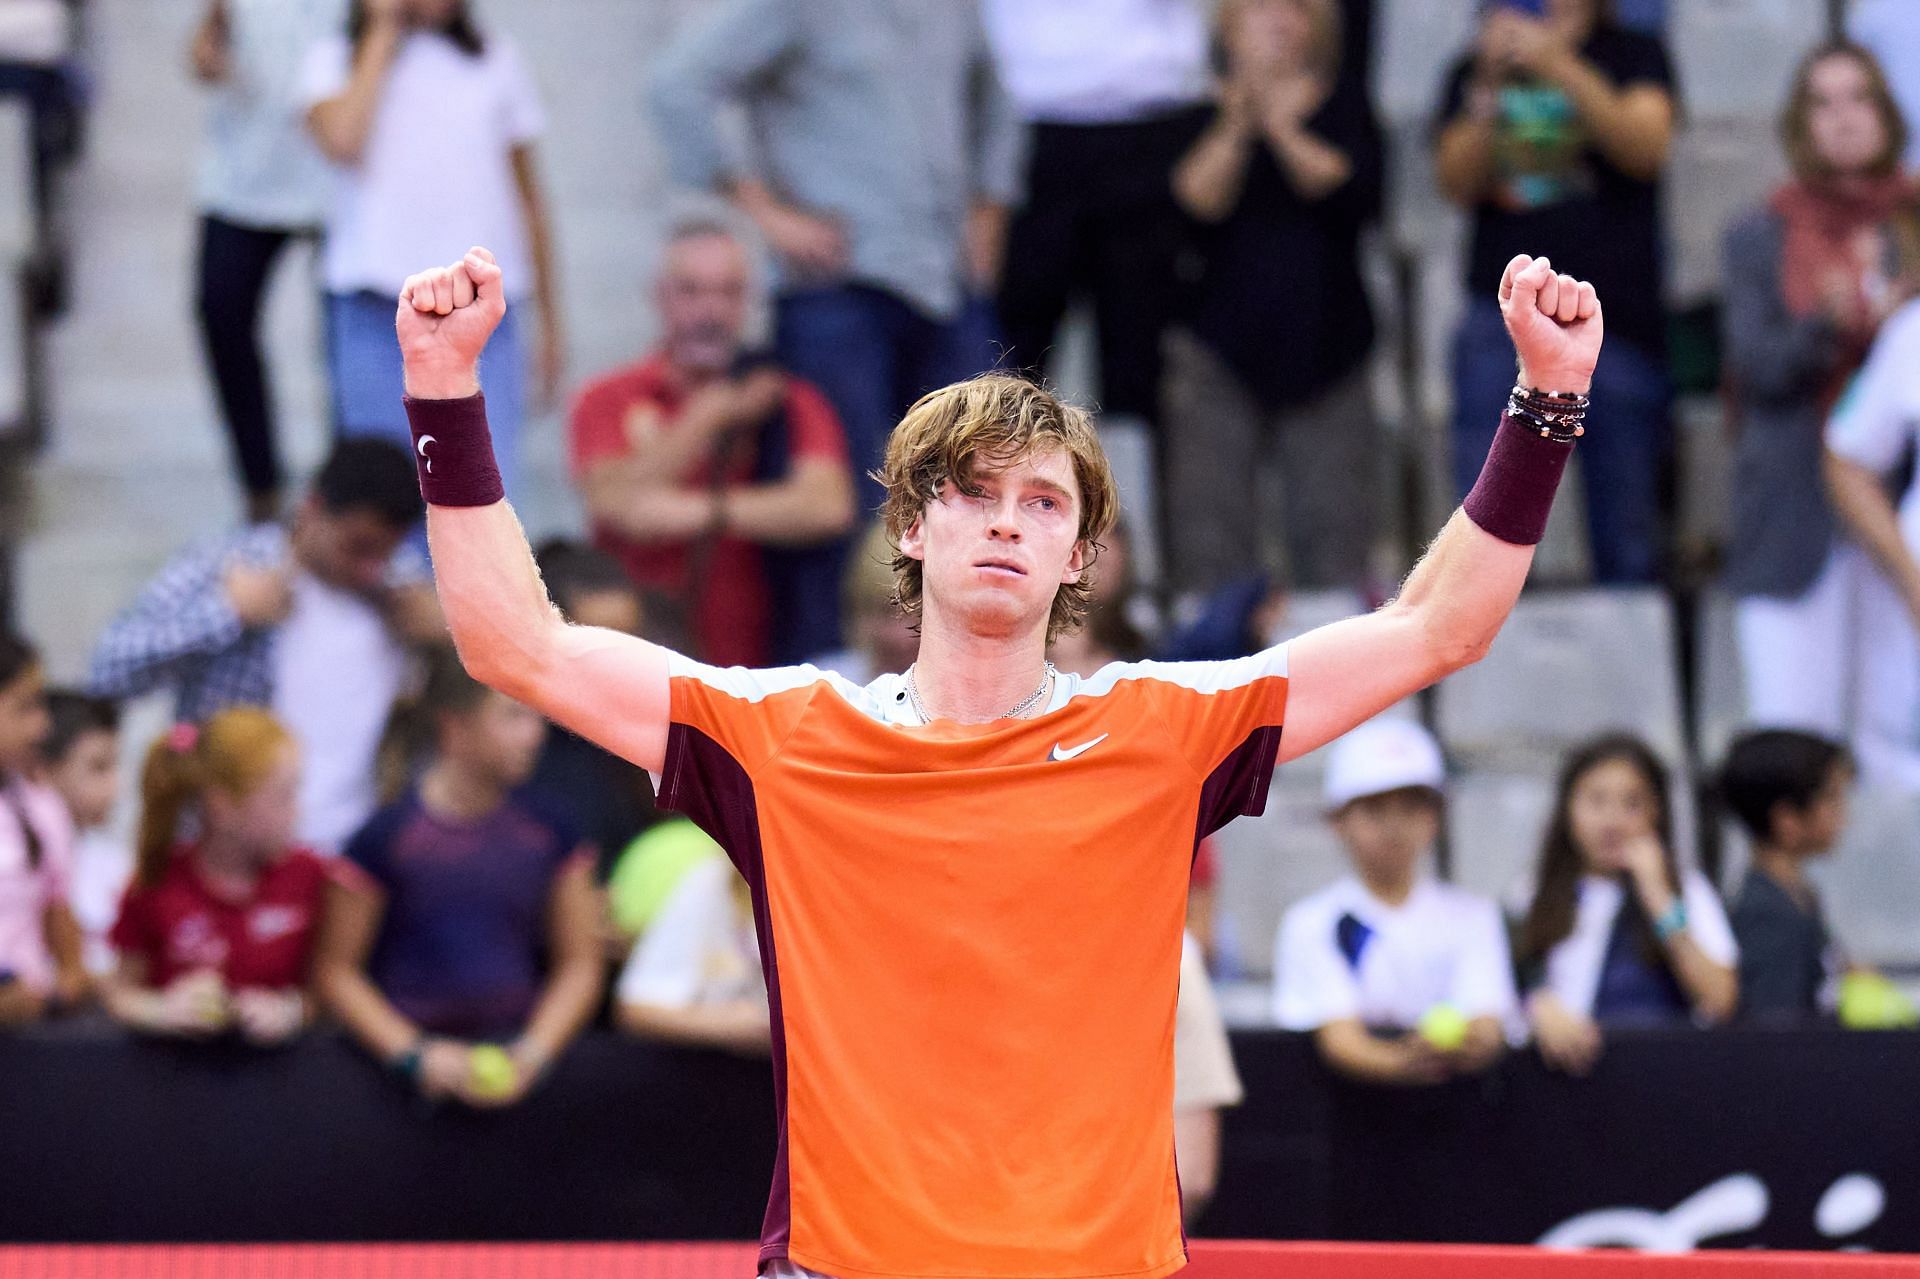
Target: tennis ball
point(1445, 1027)
point(1869, 1001)
point(491, 1071)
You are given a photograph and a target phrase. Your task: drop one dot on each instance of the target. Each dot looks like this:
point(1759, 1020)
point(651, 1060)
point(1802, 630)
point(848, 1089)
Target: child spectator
point(1789, 791)
point(81, 761)
point(216, 932)
point(40, 960)
point(1366, 963)
point(1616, 933)
point(694, 976)
point(464, 923)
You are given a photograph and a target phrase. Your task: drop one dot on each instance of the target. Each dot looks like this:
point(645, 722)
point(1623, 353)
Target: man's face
point(703, 297)
point(347, 549)
point(993, 561)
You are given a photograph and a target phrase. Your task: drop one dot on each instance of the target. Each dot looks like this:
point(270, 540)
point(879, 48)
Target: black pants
point(1100, 221)
point(235, 263)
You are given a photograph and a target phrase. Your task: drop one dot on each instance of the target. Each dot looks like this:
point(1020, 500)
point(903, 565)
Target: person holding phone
point(1553, 132)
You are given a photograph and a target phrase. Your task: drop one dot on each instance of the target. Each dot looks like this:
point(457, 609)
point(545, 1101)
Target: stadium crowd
point(342, 824)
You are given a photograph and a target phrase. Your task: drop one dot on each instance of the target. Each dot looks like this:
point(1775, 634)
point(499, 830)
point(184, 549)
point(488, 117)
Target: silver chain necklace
point(1032, 699)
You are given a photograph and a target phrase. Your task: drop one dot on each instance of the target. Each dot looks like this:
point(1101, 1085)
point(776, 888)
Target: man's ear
point(1077, 563)
point(913, 543)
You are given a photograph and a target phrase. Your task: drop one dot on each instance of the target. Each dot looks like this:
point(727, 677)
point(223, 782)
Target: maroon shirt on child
point(264, 941)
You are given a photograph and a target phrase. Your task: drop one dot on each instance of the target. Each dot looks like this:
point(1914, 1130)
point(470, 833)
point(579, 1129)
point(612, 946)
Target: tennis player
point(969, 879)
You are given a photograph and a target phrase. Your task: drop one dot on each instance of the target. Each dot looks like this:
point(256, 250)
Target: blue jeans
point(1620, 458)
point(363, 358)
point(873, 355)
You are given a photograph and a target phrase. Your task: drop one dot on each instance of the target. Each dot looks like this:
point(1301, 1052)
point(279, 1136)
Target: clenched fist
point(446, 316)
point(1555, 323)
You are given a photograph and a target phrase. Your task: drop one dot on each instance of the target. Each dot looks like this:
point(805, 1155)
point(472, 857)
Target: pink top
point(27, 890)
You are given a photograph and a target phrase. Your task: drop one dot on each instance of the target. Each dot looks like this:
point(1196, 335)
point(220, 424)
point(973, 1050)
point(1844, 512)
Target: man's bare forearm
point(497, 607)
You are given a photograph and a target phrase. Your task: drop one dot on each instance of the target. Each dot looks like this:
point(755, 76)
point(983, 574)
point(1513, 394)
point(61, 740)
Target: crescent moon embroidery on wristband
point(420, 447)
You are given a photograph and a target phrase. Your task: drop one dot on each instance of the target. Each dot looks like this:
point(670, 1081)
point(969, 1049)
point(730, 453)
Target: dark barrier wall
point(1785, 1140)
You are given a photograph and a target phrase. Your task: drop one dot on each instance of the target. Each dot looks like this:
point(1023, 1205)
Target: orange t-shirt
point(971, 937)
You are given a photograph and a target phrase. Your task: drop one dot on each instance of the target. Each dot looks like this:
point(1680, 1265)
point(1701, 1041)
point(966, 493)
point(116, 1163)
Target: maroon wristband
point(1515, 490)
point(454, 451)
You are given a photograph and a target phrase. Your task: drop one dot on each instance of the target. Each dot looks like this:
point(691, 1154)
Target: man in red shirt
point(679, 458)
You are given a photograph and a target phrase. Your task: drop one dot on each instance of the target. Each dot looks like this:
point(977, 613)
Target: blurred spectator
point(262, 185)
point(1270, 363)
point(885, 157)
point(1789, 791)
point(36, 66)
point(701, 465)
point(647, 872)
point(1553, 134)
point(1891, 28)
point(694, 976)
point(1616, 933)
point(1824, 641)
point(1204, 1082)
point(217, 929)
point(310, 620)
point(431, 125)
point(1108, 635)
point(609, 799)
point(464, 921)
point(881, 639)
point(80, 760)
point(1870, 440)
point(1372, 963)
point(1114, 91)
point(41, 966)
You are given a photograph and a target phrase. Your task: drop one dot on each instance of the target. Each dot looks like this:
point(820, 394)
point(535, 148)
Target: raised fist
point(1555, 323)
point(446, 316)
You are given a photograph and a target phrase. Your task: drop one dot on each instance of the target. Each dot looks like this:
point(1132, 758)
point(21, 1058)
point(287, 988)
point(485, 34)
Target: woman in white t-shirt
point(1617, 933)
point(431, 126)
point(1869, 434)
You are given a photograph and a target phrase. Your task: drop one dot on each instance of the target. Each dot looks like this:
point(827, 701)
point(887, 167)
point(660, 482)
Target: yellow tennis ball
point(491, 1071)
point(1868, 1001)
point(1445, 1027)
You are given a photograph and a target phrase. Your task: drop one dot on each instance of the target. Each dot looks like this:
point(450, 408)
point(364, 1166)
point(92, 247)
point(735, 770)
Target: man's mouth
point(1002, 566)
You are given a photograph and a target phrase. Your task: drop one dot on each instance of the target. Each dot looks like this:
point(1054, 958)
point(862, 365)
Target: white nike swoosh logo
point(420, 446)
point(1058, 753)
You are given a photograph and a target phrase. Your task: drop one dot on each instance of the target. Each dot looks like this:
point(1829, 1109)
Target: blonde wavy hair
point(995, 420)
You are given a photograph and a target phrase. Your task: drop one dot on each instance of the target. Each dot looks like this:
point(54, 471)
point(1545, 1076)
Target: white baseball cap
point(1385, 754)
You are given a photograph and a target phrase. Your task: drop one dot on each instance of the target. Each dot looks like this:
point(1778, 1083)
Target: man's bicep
point(612, 689)
point(1343, 674)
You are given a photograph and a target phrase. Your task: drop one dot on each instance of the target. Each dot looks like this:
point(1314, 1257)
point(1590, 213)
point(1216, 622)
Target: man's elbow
point(1449, 644)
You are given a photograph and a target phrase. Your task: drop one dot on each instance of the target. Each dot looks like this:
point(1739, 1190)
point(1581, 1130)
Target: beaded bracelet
point(1559, 416)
